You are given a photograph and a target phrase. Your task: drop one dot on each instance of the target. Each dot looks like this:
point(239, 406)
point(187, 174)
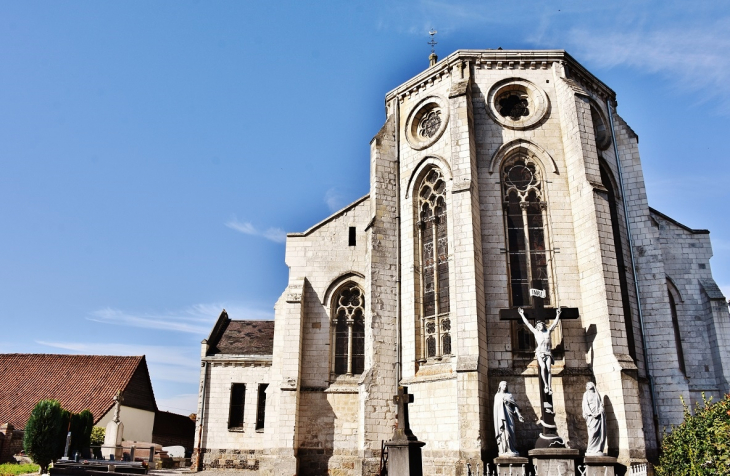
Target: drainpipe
point(636, 280)
point(201, 417)
point(399, 362)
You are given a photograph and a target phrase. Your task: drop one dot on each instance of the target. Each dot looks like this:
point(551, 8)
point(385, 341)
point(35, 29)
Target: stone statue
point(543, 348)
point(504, 424)
point(595, 420)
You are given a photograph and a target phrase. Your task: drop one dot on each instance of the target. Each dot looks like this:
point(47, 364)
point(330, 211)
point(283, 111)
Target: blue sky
point(153, 154)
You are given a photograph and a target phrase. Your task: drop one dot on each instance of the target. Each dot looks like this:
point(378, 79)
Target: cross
point(538, 311)
point(433, 41)
point(549, 436)
point(403, 430)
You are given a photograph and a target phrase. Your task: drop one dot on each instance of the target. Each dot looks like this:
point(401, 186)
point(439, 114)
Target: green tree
point(43, 431)
point(700, 446)
point(81, 426)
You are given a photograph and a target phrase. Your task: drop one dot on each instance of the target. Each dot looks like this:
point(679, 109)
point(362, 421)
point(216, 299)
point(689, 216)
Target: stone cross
point(118, 399)
point(549, 437)
point(403, 430)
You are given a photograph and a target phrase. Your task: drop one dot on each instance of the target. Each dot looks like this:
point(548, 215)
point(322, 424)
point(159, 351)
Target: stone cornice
point(501, 59)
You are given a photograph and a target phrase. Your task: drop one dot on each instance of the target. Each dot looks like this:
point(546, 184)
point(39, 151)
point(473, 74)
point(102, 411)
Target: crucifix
point(549, 437)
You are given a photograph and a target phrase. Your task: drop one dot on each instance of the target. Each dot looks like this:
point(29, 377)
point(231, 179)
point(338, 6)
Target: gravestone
point(404, 449)
point(112, 448)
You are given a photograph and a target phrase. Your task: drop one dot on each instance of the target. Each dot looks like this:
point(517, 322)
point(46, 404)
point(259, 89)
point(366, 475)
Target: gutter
point(636, 280)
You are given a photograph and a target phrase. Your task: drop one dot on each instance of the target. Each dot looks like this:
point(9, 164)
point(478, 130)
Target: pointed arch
point(524, 147)
point(430, 207)
point(327, 297)
point(347, 329)
point(422, 168)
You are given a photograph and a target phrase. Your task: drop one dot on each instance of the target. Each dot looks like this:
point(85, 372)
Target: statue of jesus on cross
point(543, 347)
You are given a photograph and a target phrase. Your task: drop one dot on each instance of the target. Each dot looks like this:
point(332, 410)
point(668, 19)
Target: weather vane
point(433, 41)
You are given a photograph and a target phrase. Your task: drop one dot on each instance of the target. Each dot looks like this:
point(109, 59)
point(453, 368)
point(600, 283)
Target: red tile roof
point(79, 382)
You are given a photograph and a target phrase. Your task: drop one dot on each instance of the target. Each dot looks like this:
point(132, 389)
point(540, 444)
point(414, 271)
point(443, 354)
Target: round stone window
point(517, 103)
point(426, 122)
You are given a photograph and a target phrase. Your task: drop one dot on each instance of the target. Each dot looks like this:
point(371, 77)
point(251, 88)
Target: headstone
point(404, 449)
point(68, 444)
point(112, 448)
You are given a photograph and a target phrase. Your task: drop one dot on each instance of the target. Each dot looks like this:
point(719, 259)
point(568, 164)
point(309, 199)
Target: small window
point(238, 399)
point(353, 237)
point(261, 408)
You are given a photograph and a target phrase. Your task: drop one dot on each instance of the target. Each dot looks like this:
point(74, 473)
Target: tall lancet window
point(527, 251)
point(434, 264)
point(349, 330)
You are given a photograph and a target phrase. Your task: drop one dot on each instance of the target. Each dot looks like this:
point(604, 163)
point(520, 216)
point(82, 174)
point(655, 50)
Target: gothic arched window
point(349, 330)
point(434, 266)
point(677, 335)
point(527, 251)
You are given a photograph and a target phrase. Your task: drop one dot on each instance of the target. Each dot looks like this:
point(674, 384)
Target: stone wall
point(11, 442)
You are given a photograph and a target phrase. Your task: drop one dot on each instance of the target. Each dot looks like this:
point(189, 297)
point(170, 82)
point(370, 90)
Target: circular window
point(426, 122)
point(517, 103)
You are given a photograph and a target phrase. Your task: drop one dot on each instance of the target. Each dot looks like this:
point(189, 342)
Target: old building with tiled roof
point(79, 382)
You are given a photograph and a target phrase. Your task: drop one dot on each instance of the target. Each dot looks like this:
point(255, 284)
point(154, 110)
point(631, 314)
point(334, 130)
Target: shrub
point(43, 431)
point(11, 469)
point(97, 435)
point(81, 427)
point(700, 446)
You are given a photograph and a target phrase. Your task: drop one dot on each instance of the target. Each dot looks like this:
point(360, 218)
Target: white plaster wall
point(216, 434)
point(138, 424)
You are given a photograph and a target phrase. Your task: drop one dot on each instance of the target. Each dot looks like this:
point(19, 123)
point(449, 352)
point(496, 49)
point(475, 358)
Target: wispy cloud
point(184, 404)
point(277, 235)
point(170, 363)
point(196, 319)
point(334, 199)
point(693, 57)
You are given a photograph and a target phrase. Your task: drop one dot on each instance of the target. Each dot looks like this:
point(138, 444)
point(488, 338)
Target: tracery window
point(434, 267)
point(349, 330)
point(525, 219)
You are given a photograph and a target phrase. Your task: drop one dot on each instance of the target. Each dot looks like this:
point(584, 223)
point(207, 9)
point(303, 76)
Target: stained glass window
point(349, 328)
point(434, 265)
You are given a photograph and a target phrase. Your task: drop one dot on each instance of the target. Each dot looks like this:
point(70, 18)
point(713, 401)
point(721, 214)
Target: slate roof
point(241, 337)
point(79, 382)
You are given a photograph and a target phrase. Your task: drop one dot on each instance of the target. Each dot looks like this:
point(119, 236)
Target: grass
point(10, 469)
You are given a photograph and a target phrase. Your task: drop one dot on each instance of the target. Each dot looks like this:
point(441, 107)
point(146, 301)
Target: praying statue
point(543, 348)
point(595, 417)
point(505, 408)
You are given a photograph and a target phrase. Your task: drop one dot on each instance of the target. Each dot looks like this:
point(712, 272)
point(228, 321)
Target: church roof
point(241, 337)
point(504, 59)
point(79, 382)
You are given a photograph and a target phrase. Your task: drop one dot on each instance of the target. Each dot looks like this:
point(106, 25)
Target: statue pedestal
point(108, 451)
point(404, 458)
point(599, 465)
point(554, 461)
point(511, 465)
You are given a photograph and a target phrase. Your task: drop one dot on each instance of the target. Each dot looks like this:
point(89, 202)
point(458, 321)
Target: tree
point(43, 431)
point(81, 426)
point(700, 446)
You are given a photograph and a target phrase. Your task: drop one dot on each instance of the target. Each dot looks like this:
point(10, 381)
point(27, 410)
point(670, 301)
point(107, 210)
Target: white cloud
point(170, 363)
point(334, 199)
point(693, 57)
point(277, 235)
point(184, 404)
point(196, 319)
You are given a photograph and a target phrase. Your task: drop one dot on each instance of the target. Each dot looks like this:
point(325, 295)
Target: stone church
point(495, 172)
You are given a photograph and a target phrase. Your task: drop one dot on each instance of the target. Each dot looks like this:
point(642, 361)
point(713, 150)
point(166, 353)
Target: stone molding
point(522, 146)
